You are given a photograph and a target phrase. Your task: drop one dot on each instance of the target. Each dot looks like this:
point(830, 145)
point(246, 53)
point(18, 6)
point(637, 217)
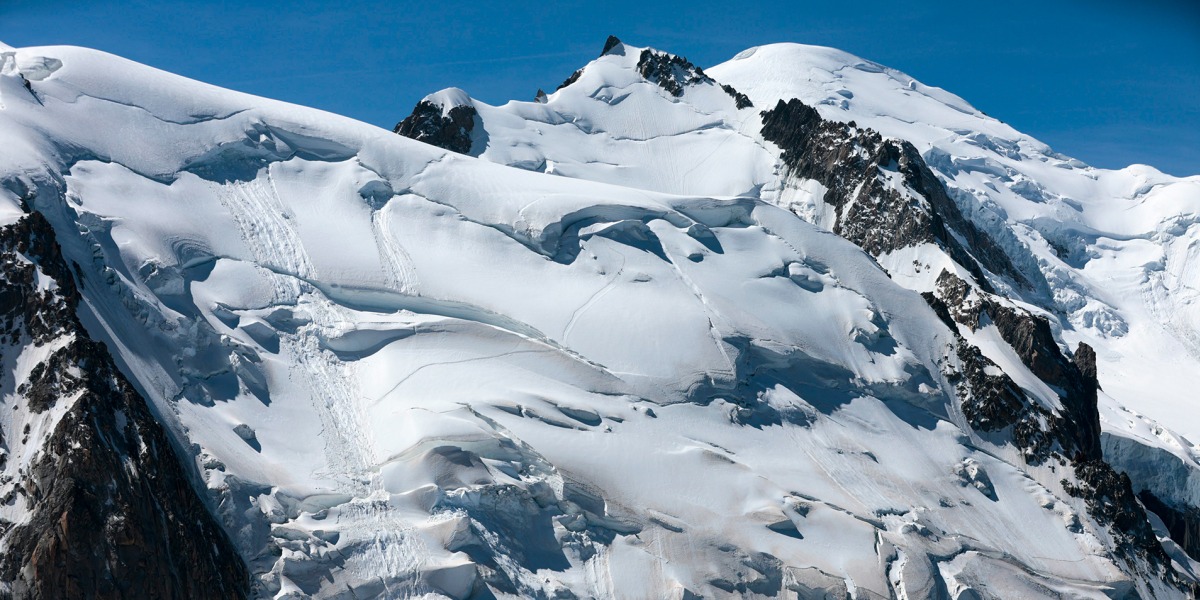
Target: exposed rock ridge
point(1030, 336)
point(674, 73)
point(670, 72)
point(431, 123)
point(108, 511)
point(992, 402)
point(572, 78)
point(1183, 523)
point(855, 166)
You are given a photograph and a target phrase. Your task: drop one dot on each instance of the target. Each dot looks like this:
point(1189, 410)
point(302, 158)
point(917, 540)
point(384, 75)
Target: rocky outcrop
point(572, 78)
point(1110, 500)
point(609, 44)
point(1077, 429)
point(433, 124)
point(992, 402)
point(884, 194)
point(1183, 523)
point(739, 99)
point(675, 73)
point(102, 506)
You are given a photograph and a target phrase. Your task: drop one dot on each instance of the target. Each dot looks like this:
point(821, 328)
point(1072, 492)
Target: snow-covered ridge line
point(401, 371)
point(948, 132)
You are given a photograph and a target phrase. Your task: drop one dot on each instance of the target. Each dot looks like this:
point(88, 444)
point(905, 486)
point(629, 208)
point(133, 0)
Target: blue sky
point(1109, 82)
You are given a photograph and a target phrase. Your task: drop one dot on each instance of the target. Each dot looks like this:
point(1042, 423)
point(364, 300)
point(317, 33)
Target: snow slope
point(401, 371)
point(1114, 248)
point(1109, 255)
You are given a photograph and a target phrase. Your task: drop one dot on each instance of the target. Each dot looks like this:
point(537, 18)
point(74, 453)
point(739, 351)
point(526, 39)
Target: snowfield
point(614, 352)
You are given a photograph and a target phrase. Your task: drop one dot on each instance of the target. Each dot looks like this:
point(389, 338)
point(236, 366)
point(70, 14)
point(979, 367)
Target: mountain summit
point(796, 325)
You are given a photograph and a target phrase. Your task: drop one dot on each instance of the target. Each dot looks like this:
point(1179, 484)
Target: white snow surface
point(1113, 255)
point(413, 372)
point(1124, 274)
point(1123, 278)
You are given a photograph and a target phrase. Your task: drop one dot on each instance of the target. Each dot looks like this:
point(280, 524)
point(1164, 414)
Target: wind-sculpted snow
point(1105, 256)
point(1111, 244)
point(401, 371)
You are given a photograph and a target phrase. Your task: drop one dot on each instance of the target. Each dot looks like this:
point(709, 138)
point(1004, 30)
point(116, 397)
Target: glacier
point(611, 343)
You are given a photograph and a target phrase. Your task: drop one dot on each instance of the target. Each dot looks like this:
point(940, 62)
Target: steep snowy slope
point(95, 504)
point(393, 370)
point(1111, 249)
point(1116, 247)
point(1105, 256)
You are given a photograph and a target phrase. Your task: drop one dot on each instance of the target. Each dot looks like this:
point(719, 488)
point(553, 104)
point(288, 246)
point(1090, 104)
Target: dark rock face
point(572, 78)
point(42, 315)
point(992, 402)
point(451, 131)
point(855, 165)
point(609, 44)
point(1111, 501)
point(675, 73)
point(1078, 429)
point(112, 513)
point(670, 72)
point(740, 99)
point(1183, 523)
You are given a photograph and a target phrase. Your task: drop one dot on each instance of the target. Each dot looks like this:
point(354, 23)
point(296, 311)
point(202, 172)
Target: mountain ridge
point(399, 370)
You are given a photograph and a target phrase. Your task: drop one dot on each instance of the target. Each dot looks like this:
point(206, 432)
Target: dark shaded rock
point(451, 130)
point(609, 44)
point(740, 99)
point(854, 165)
point(670, 72)
point(24, 309)
point(1110, 500)
point(940, 309)
point(675, 73)
point(1183, 523)
point(56, 377)
point(991, 401)
point(541, 97)
point(1078, 425)
point(111, 511)
point(1085, 360)
point(572, 78)
point(1077, 428)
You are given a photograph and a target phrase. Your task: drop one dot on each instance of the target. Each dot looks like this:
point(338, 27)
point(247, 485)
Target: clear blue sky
point(1106, 81)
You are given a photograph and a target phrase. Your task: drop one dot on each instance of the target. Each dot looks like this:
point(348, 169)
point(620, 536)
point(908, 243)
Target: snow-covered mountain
point(794, 326)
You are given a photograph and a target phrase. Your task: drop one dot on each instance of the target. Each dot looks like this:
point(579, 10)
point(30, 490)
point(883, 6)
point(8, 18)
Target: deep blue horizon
point(1107, 83)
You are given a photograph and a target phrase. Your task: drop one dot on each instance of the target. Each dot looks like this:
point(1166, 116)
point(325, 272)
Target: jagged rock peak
point(674, 73)
point(669, 71)
point(611, 43)
point(572, 78)
point(444, 119)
